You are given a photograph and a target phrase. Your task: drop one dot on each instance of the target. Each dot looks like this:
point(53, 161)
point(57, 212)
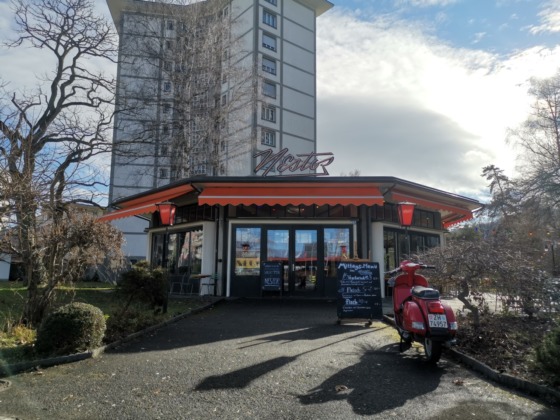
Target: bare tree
point(473, 265)
point(50, 139)
point(539, 139)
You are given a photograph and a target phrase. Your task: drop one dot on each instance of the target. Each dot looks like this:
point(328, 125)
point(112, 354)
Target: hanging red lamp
point(406, 213)
point(166, 213)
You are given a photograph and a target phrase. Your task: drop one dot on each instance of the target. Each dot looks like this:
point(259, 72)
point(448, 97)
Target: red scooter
point(419, 313)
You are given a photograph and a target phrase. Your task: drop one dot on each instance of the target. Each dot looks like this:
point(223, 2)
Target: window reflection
point(247, 251)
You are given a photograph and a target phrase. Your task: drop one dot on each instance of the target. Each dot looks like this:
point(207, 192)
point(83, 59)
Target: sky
point(426, 90)
point(423, 90)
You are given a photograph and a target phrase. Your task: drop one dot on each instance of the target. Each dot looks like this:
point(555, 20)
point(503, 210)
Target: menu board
point(359, 290)
point(271, 276)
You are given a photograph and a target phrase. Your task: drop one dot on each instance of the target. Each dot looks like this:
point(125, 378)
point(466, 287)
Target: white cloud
point(394, 101)
point(550, 18)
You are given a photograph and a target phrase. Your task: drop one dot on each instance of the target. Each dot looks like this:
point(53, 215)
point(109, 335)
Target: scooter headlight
point(453, 326)
point(418, 325)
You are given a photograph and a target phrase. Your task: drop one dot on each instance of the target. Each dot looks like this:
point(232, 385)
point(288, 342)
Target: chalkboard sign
point(359, 290)
point(271, 276)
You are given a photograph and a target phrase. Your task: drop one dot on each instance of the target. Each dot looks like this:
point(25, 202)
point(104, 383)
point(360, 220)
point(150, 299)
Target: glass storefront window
point(247, 251)
point(183, 253)
point(336, 248)
point(190, 257)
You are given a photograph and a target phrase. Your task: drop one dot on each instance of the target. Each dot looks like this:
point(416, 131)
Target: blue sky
point(425, 90)
point(497, 26)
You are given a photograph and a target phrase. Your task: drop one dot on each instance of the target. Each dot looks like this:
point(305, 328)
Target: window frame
point(270, 19)
point(271, 69)
point(268, 113)
point(266, 45)
point(268, 138)
point(265, 92)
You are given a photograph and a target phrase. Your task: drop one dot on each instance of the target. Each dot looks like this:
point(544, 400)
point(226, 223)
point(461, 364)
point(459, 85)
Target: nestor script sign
point(283, 161)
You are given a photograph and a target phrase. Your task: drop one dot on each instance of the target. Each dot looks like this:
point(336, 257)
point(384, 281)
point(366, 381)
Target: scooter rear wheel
point(432, 349)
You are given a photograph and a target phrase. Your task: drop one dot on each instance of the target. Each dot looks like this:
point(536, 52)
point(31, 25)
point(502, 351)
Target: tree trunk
point(463, 297)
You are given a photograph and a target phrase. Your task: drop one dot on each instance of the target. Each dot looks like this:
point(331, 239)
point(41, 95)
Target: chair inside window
point(184, 284)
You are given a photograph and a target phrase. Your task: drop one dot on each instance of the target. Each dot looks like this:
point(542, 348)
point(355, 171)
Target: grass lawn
point(15, 343)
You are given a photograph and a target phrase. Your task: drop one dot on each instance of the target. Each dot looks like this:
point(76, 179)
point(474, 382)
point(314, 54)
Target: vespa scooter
point(420, 315)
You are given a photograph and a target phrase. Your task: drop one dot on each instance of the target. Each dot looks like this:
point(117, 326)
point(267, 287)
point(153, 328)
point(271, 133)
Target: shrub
point(143, 284)
point(72, 328)
point(548, 354)
point(121, 325)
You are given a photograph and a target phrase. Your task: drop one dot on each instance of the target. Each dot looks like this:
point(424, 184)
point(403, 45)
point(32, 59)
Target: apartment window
point(164, 150)
point(168, 45)
point(274, 2)
point(166, 108)
point(269, 65)
point(165, 129)
point(170, 25)
point(224, 100)
point(167, 86)
point(268, 138)
point(167, 66)
point(269, 89)
point(269, 41)
point(225, 11)
point(199, 169)
point(268, 113)
point(269, 18)
point(163, 173)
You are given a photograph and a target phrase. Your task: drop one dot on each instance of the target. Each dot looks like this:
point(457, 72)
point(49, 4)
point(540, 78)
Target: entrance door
point(297, 249)
point(304, 262)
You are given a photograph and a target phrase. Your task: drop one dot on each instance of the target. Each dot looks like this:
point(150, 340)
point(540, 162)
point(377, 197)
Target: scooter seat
point(425, 292)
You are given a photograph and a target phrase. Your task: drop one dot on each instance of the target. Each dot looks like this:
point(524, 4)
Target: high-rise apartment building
point(204, 87)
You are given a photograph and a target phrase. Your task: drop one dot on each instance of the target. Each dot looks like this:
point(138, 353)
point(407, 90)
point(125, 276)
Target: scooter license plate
point(437, 321)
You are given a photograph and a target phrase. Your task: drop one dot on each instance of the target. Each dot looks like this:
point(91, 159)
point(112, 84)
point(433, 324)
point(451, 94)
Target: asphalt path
point(252, 359)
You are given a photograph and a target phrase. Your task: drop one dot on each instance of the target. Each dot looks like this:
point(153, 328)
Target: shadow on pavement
point(258, 321)
point(383, 379)
point(243, 377)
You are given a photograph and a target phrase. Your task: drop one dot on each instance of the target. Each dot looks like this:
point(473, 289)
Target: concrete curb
point(9, 370)
point(544, 393)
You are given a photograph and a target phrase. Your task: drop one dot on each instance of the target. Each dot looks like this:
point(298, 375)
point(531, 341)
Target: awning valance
point(146, 204)
point(272, 194)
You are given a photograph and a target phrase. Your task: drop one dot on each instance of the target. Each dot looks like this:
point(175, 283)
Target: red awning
point(294, 194)
point(146, 204)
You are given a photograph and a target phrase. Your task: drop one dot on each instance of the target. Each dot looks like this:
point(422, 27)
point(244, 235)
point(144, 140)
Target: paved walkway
point(251, 359)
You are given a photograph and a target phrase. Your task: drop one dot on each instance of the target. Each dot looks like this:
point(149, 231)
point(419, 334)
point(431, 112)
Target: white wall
point(135, 239)
point(298, 102)
point(298, 125)
point(299, 14)
point(5, 261)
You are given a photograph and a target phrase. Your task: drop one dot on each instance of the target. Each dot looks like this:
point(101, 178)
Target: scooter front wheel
point(432, 349)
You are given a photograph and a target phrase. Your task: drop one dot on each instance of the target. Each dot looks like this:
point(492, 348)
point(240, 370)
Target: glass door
point(304, 268)
point(309, 256)
point(278, 250)
point(296, 249)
